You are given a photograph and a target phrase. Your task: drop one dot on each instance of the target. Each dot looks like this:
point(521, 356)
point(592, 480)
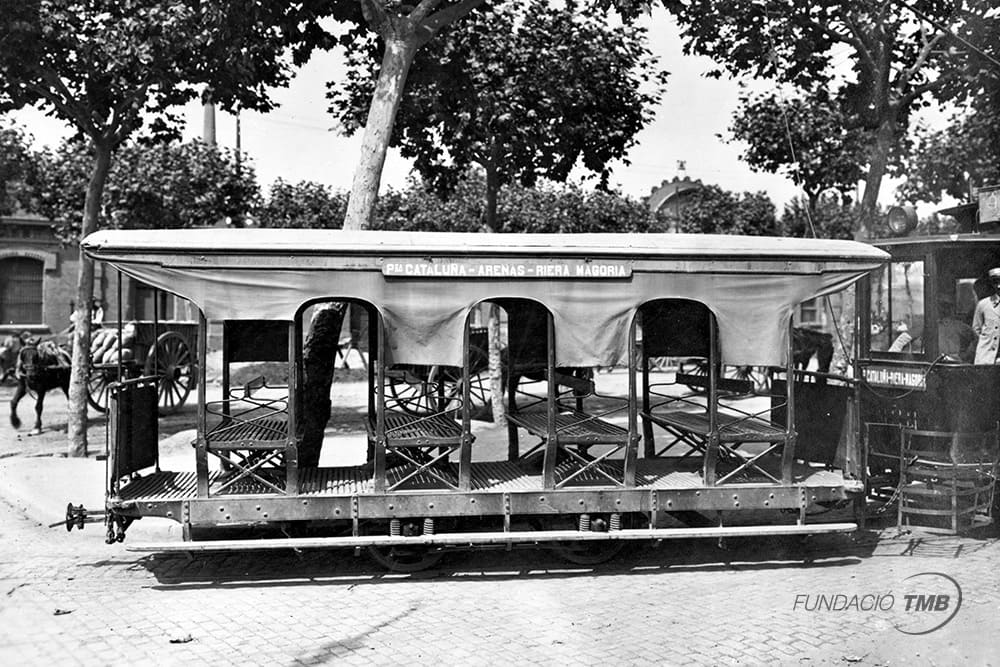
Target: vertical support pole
point(201, 448)
point(788, 452)
point(116, 415)
point(632, 447)
point(373, 318)
point(513, 445)
point(712, 447)
point(862, 341)
point(465, 446)
point(902, 481)
point(156, 334)
point(551, 406)
point(292, 442)
point(380, 437)
point(648, 444)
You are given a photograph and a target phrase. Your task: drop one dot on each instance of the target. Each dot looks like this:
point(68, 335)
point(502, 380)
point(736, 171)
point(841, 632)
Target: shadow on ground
point(341, 566)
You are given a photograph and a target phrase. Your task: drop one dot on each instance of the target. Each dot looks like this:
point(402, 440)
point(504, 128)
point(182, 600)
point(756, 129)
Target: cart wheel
point(425, 390)
point(97, 390)
point(412, 389)
point(761, 378)
point(172, 363)
point(694, 366)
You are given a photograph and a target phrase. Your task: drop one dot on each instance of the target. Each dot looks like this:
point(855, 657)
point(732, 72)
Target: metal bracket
point(355, 512)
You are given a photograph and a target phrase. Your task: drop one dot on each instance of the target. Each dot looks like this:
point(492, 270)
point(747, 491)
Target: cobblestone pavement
point(70, 599)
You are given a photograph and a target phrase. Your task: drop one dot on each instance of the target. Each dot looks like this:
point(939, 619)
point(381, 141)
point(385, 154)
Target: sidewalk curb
point(41, 487)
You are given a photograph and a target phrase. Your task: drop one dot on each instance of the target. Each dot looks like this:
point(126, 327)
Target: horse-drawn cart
point(162, 349)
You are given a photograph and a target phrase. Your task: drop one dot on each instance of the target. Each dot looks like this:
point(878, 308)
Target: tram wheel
point(404, 558)
point(582, 552)
point(589, 552)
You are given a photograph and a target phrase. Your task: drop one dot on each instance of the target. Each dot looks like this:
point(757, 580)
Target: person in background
point(956, 339)
point(96, 314)
point(986, 322)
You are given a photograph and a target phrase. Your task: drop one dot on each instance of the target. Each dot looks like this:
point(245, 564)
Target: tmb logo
point(931, 600)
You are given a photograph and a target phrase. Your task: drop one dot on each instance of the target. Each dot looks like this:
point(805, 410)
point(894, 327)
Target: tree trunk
point(497, 389)
point(76, 428)
point(319, 362)
point(396, 61)
point(878, 160)
point(867, 219)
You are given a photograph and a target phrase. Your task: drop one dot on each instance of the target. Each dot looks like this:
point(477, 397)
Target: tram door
point(133, 427)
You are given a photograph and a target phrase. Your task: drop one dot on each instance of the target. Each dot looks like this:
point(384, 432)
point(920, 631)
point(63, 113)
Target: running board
point(473, 539)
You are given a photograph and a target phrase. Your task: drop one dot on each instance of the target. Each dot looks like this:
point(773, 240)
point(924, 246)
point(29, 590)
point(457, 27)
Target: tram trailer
point(596, 477)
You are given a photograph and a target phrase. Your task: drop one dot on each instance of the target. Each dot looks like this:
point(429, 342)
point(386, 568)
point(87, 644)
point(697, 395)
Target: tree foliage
point(302, 205)
point(827, 218)
point(17, 168)
point(524, 91)
point(150, 186)
point(897, 60)
point(712, 210)
point(104, 66)
point(805, 138)
point(545, 208)
point(937, 161)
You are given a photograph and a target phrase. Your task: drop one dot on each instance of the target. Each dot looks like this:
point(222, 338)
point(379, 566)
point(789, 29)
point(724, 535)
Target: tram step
point(486, 538)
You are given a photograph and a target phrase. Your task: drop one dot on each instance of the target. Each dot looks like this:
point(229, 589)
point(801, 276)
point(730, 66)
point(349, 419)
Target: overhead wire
point(783, 108)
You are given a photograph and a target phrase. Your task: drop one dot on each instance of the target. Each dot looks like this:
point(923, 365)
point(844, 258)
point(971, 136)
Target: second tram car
point(929, 412)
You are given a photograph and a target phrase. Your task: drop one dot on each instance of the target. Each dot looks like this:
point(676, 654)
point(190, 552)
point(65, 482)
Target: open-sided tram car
point(581, 467)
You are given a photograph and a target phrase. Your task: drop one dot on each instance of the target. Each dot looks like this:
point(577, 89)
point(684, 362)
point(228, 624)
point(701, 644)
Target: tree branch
point(422, 10)
point(375, 15)
point(118, 128)
point(857, 40)
point(917, 91)
point(59, 96)
point(433, 23)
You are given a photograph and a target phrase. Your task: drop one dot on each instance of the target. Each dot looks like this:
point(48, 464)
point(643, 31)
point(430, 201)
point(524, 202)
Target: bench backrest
point(730, 385)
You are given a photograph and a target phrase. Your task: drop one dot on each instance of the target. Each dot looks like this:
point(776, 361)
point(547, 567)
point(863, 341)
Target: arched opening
point(581, 437)
point(710, 424)
point(21, 290)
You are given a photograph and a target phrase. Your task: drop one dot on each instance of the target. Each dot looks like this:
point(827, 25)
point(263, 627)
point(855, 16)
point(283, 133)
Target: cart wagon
point(162, 349)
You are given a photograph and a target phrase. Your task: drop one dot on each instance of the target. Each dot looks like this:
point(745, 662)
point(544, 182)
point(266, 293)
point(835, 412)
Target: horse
point(807, 343)
point(40, 367)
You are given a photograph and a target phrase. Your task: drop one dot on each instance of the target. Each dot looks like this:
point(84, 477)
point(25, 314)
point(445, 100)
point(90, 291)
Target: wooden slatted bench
point(732, 428)
point(424, 442)
point(403, 429)
point(572, 428)
point(262, 433)
point(725, 385)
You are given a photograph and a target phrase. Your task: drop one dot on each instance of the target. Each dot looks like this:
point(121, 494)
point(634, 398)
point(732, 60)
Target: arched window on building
point(21, 290)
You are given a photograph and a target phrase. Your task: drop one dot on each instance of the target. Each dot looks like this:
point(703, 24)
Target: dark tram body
point(923, 398)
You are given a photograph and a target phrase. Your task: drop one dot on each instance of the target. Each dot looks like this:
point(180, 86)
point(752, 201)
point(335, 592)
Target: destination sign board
point(514, 269)
point(905, 378)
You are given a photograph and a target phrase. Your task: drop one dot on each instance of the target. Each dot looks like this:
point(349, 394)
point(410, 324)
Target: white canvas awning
point(425, 285)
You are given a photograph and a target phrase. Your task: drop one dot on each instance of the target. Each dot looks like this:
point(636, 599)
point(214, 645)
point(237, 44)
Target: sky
point(298, 140)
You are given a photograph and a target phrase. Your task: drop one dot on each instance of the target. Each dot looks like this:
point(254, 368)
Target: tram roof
point(294, 243)
point(425, 285)
point(937, 240)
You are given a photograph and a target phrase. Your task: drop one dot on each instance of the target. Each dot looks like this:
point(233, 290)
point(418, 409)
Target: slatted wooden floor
point(498, 477)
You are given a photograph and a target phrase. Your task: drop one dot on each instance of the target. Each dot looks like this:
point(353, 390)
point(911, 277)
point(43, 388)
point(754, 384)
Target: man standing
point(986, 322)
